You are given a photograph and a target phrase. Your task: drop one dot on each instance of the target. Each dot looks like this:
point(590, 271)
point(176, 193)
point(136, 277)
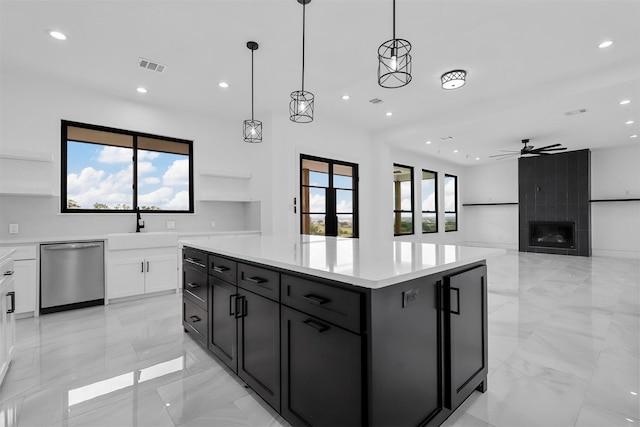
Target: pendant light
point(394, 60)
point(301, 105)
point(252, 128)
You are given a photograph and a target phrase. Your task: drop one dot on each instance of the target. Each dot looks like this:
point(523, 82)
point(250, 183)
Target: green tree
point(72, 204)
point(100, 206)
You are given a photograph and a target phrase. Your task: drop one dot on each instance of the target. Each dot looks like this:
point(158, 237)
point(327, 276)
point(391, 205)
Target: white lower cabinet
point(7, 316)
point(130, 273)
point(26, 281)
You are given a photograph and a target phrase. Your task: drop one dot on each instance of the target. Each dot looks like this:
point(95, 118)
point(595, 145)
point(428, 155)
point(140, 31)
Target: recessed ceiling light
point(428, 142)
point(633, 136)
point(345, 97)
point(605, 44)
point(57, 34)
point(477, 158)
point(455, 151)
point(141, 90)
point(629, 122)
point(223, 85)
point(625, 101)
point(389, 113)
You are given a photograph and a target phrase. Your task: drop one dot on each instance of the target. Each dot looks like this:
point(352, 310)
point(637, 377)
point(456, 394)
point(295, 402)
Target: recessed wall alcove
point(555, 213)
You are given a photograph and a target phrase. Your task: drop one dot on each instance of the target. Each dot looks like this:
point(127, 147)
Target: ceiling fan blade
point(548, 146)
point(509, 151)
point(556, 149)
point(515, 153)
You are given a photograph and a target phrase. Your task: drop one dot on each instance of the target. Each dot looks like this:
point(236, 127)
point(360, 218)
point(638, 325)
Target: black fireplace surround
point(553, 198)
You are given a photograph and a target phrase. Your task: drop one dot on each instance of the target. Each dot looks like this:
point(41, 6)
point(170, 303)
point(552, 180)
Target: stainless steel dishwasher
point(71, 275)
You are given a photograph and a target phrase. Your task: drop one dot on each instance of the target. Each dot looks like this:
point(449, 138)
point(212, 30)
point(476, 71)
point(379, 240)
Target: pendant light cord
point(394, 19)
point(252, 85)
point(303, 28)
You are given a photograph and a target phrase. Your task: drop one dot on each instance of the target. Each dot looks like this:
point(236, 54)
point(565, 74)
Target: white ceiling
point(528, 63)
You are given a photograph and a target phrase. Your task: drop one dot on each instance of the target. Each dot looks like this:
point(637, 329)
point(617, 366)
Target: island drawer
point(223, 268)
point(194, 319)
point(338, 306)
point(259, 280)
point(195, 286)
point(195, 259)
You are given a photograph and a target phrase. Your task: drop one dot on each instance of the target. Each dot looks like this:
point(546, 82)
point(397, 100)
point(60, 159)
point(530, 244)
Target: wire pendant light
point(301, 104)
point(394, 60)
point(252, 128)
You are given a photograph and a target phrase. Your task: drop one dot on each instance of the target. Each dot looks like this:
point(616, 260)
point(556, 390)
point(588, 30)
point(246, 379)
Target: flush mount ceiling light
point(141, 90)
point(394, 60)
point(252, 128)
point(56, 34)
point(301, 104)
point(605, 44)
point(453, 79)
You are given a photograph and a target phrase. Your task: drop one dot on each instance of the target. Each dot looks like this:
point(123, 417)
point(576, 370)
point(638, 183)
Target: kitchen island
point(336, 331)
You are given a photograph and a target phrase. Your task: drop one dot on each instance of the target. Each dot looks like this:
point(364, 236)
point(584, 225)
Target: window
point(402, 200)
point(429, 201)
point(450, 203)
point(113, 170)
point(329, 195)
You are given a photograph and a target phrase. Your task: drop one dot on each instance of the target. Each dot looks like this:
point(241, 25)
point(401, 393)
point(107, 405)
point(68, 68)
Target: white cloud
point(449, 195)
point(88, 178)
point(317, 203)
point(179, 202)
point(344, 206)
point(429, 202)
point(91, 186)
point(177, 173)
point(147, 155)
point(145, 167)
point(159, 197)
point(115, 155)
point(151, 180)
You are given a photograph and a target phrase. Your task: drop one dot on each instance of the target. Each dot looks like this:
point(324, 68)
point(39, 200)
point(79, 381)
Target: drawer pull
point(314, 299)
point(220, 269)
point(12, 295)
point(193, 285)
point(256, 280)
point(320, 327)
point(8, 273)
point(195, 319)
point(195, 261)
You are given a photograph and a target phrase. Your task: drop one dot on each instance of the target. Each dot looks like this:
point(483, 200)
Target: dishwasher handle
point(70, 246)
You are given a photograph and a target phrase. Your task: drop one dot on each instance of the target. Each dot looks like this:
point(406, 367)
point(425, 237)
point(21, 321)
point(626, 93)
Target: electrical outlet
point(14, 229)
point(409, 297)
point(171, 225)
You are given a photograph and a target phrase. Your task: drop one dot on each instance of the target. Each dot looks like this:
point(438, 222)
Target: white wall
point(31, 108)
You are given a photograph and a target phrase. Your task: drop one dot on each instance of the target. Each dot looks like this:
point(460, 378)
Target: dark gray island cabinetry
point(343, 332)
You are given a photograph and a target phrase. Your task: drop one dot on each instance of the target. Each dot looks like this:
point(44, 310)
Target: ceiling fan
point(530, 150)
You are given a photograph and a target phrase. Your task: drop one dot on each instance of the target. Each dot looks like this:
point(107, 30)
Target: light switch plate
point(14, 229)
point(171, 225)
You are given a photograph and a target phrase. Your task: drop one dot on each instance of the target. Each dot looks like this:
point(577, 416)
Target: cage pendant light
point(252, 128)
point(394, 60)
point(301, 105)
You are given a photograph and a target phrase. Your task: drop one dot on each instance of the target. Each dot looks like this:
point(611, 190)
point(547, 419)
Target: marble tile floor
point(563, 351)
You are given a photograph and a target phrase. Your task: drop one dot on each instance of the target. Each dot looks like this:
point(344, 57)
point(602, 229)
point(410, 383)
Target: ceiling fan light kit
point(301, 106)
point(394, 60)
point(530, 150)
point(252, 129)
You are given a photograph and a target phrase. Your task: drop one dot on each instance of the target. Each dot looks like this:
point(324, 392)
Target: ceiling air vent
point(575, 112)
point(375, 101)
point(150, 65)
point(447, 138)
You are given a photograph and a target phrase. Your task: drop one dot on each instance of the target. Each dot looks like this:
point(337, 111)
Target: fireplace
point(552, 234)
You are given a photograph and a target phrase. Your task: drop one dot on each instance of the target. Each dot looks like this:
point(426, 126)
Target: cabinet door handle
point(142, 267)
point(8, 273)
point(193, 285)
point(195, 319)
point(147, 266)
point(315, 299)
point(12, 295)
point(242, 311)
point(455, 310)
point(320, 327)
point(232, 304)
point(220, 269)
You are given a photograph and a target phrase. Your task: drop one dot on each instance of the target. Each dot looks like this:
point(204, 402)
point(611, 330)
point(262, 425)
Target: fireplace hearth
point(551, 234)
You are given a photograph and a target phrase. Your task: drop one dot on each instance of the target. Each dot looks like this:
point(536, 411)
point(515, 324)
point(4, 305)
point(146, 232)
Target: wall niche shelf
point(26, 173)
point(491, 204)
point(46, 192)
point(27, 156)
point(226, 174)
point(226, 197)
point(613, 200)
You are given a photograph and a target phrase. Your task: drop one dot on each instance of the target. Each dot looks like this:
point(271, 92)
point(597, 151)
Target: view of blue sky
point(104, 174)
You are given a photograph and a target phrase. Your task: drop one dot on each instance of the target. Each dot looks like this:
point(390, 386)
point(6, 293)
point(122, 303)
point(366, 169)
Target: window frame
point(65, 124)
point(401, 211)
point(455, 202)
point(330, 197)
point(435, 190)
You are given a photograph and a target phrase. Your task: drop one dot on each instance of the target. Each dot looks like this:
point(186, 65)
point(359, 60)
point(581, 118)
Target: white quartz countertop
point(6, 253)
point(366, 263)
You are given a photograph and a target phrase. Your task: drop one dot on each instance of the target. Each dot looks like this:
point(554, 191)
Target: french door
point(329, 197)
